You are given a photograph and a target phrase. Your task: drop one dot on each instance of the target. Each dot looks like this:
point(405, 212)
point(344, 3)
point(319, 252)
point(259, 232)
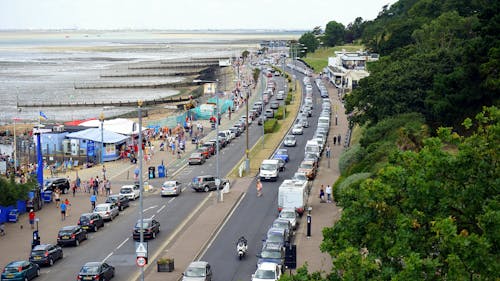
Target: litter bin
point(151, 172)
point(161, 171)
point(13, 215)
point(47, 196)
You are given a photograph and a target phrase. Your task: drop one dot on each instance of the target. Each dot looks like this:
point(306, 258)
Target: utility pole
point(141, 185)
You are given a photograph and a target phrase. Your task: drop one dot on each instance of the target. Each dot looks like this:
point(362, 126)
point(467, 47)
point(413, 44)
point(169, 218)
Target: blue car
point(281, 154)
point(20, 270)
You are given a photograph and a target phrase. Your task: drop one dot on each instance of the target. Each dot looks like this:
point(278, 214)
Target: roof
point(120, 125)
point(95, 134)
point(198, 264)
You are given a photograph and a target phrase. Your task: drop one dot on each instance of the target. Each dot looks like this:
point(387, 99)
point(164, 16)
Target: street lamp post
point(247, 160)
point(141, 216)
point(101, 118)
point(217, 182)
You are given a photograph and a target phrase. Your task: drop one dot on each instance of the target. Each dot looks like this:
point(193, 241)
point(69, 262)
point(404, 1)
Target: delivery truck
point(293, 194)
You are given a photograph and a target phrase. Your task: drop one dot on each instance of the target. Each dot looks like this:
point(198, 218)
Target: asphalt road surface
point(254, 215)
point(114, 243)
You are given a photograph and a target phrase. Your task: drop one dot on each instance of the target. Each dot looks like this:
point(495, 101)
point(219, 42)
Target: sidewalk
point(322, 214)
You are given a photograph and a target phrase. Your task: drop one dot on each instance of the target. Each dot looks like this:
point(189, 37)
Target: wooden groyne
point(176, 66)
point(179, 73)
point(136, 86)
point(169, 100)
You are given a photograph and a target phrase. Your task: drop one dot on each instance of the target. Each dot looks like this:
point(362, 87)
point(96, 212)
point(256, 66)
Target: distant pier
point(180, 100)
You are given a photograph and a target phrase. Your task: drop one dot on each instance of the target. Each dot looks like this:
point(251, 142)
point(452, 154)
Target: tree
point(317, 30)
point(310, 41)
point(432, 214)
point(11, 191)
point(354, 30)
point(244, 55)
point(334, 34)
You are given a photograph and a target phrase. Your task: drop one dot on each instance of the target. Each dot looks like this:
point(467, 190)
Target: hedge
point(288, 99)
point(270, 126)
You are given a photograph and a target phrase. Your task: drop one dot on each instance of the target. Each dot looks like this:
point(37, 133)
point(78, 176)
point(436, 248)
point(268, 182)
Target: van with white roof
point(269, 170)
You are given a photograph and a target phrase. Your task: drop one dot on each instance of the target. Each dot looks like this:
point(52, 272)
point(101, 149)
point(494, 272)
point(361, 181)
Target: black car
point(120, 201)
point(73, 234)
point(56, 183)
point(91, 221)
point(46, 254)
point(96, 271)
point(151, 227)
point(235, 130)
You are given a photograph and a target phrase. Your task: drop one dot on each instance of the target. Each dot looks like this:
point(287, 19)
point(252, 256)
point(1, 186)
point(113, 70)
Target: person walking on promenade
point(63, 211)
point(259, 188)
point(136, 173)
point(334, 140)
point(31, 216)
point(78, 182)
point(93, 198)
point(73, 188)
point(57, 197)
point(321, 196)
point(107, 187)
point(338, 138)
point(103, 172)
point(96, 185)
point(329, 193)
point(68, 205)
point(328, 151)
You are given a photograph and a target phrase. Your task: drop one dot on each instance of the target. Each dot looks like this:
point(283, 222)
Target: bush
point(349, 157)
point(279, 112)
point(288, 98)
point(270, 126)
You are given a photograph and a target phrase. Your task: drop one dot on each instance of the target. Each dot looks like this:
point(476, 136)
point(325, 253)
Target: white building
point(347, 68)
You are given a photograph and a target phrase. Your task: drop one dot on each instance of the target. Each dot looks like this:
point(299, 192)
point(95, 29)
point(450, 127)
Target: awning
point(94, 134)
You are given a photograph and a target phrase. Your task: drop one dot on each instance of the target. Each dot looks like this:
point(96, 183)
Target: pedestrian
point(78, 182)
point(63, 211)
point(57, 197)
point(329, 193)
point(259, 188)
point(108, 187)
point(2, 229)
point(93, 198)
point(338, 138)
point(136, 173)
point(328, 151)
point(32, 218)
point(103, 171)
point(96, 185)
point(322, 195)
point(334, 140)
point(68, 205)
point(73, 188)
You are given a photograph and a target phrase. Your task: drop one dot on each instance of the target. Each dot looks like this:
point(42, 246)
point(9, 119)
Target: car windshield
point(126, 190)
point(301, 177)
point(89, 270)
point(289, 138)
point(84, 218)
point(281, 151)
point(265, 274)
point(306, 166)
point(65, 232)
point(274, 238)
point(101, 208)
point(288, 215)
point(195, 155)
point(144, 225)
point(280, 224)
point(195, 272)
point(268, 167)
point(271, 254)
point(169, 184)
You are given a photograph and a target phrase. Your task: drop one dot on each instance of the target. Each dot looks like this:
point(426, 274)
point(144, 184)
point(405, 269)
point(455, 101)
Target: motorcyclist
point(242, 240)
point(241, 245)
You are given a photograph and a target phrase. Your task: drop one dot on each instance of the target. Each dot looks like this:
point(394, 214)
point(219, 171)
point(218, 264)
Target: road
point(114, 243)
point(255, 214)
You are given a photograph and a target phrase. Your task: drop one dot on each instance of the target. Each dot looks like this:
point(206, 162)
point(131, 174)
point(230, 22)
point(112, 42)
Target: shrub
point(288, 98)
point(348, 158)
point(270, 126)
point(279, 113)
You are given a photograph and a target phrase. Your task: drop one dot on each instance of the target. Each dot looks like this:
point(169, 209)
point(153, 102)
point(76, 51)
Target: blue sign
point(90, 148)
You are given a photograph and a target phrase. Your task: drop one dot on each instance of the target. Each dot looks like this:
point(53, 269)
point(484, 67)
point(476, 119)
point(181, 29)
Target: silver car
point(198, 271)
point(171, 188)
point(107, 211)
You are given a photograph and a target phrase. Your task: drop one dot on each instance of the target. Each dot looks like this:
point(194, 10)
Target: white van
point(324, 122)
point(293, 195)
point(269, 170)
point(312, 147)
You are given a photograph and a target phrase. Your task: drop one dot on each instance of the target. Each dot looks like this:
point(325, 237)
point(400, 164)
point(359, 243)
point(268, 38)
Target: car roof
point(197, 264)
point(69, 227)
point(276, 230)
point(104, 204)
point(41, 247)
point(92, 263)
point(127, 186)
point(267, 266)
point(15, 263)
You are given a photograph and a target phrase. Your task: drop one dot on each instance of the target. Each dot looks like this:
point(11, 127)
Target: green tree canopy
point(334, 34)
point(310, 41)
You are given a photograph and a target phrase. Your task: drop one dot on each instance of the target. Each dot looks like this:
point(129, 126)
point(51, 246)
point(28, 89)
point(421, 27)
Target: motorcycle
point(241, 249)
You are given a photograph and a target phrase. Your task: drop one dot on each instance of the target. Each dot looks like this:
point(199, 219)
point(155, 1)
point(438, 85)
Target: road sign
point(141, 250)
point(140, 261)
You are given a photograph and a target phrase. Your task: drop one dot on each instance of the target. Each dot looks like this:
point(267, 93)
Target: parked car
point(284, 224)
point(206, 183)
point(90, 221)
point(274, 105)
point(309, 168)
point(46, 254)
point(96, 271)
point(269, 113)
point(281, 164)
point(198, 271)
point(205, 151)
point(150, 228)
point(290, 215)
point(132, 192)
point(73, 234)
point(118, 200)
point(210, 146)
point(278, 235)
point(261, 120)
point(107, 211)
point(52, 184)
point(235, 131)
point(196, 158)
point(280, 95)
point(20, 270)
point(171, 187)
point(267, 271)
point(297, 130)
point(290, 140)
point(272, 252)
point(282, 153)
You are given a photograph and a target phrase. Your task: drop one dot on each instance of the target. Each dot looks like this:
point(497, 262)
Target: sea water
point(46, 66)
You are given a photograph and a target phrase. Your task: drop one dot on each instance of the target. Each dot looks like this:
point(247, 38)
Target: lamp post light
point(247, 160)
point(217, 181)
point(141, 216)
point(101, 118)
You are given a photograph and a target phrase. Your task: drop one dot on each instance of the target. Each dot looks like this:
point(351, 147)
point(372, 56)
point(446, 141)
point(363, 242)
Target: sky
point(183, 14)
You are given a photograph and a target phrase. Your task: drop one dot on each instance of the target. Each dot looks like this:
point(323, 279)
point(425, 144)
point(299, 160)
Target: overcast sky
point(183, 14)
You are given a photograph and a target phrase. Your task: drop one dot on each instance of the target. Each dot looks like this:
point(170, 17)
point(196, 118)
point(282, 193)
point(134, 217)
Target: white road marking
point(162, 207)
point(149, 208)
point(152, 217)
point(121, 244)
point(172, 199)
point(107, 257)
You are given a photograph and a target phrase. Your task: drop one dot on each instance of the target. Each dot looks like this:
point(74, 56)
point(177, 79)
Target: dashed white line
point(149, 208)
point(107, 257)
point(121, 244)
point(162, 207)
point(152, 217)
point(173, 198)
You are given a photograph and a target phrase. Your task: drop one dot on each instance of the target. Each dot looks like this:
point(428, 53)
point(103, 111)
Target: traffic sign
point(141, 250)
point(140, 261)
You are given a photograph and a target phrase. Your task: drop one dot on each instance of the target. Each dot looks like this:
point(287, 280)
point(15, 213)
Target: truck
point(293, 194)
